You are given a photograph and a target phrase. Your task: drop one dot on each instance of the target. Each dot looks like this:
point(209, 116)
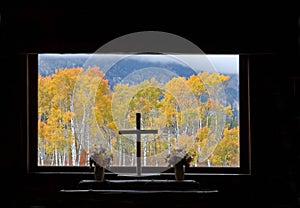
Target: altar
point(137, 193)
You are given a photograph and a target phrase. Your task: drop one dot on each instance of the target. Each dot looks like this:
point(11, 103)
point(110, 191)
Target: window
point(79, 102)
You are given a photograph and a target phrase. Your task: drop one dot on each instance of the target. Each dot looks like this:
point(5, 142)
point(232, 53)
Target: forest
point(78, 111)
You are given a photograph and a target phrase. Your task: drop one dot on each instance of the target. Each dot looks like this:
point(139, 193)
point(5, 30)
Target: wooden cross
point(138, 133)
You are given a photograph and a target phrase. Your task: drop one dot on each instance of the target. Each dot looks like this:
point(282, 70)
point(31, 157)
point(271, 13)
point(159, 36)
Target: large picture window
point(80, 102)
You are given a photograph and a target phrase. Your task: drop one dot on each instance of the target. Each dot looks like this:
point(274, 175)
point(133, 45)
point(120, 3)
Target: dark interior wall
point(274, 131)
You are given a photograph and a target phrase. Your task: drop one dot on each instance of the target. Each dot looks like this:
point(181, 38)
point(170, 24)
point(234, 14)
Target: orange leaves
point(231, 135)
point(228, 110)
point(196, 84)
point(227, 151)
point(183, 106)
point(202, 134)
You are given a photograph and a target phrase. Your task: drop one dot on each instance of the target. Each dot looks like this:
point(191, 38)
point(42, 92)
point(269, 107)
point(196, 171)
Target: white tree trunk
point(123, 157)
point(52, 160)
point(207, 121)
point(81, 136)
point(169, 142)
point(176, 130)
point(120, 152)
point(60, 158)
point(79, 154)
point(56, 156)
point(73, 148)
point(41, 160)
point(132, 159)
point(145, 152)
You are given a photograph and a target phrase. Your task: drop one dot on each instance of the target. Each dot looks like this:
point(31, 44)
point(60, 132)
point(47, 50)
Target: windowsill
point(129, 175)
point(139, 184)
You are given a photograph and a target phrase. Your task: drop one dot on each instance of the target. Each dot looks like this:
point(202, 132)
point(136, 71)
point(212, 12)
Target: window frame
point(32, 139)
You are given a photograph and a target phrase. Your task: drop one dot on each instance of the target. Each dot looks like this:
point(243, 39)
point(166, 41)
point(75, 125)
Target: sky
point(222, 63)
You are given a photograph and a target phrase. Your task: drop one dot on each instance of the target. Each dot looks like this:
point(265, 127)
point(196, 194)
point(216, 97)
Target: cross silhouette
point(138, 131)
